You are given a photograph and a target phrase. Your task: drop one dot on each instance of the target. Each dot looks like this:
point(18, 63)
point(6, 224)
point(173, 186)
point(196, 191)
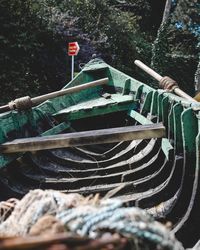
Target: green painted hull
point(160, 175)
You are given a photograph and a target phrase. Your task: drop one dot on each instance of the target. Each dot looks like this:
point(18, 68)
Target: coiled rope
point(168, 84)
point(86, 218)
point(6, 208)
point(22, 103)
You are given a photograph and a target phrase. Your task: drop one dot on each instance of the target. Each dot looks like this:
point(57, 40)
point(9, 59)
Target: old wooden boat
point(122, 139)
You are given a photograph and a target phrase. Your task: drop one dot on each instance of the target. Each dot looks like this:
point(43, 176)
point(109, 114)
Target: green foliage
point(187, 15)
point(175, 48)
point(183, 39)
point(34, 35)
point(29, 54)
point(112, 28)
point(160, 49)
point(182, 69)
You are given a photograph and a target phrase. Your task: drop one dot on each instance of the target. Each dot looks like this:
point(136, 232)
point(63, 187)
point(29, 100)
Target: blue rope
point(131, 222)
point(98, 216)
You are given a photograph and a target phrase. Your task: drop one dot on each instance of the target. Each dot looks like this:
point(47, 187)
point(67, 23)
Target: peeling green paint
point(180, 117)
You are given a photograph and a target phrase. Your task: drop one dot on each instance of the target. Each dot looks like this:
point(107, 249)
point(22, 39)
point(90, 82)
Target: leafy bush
point(30, 54)
point(34, 36)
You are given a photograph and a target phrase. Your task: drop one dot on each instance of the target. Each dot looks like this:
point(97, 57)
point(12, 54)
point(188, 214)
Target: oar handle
point(159, 78)
point(148, 70)
point(27, 102)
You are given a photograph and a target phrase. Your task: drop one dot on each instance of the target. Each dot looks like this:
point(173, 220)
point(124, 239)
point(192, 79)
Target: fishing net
point(49, 212)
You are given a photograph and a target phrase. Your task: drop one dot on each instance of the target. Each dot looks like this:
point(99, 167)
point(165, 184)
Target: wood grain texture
point(85, 138)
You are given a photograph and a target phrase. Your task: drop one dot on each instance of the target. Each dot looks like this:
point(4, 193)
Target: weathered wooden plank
point(56, 129)
point(85, 138)
point(112, 108)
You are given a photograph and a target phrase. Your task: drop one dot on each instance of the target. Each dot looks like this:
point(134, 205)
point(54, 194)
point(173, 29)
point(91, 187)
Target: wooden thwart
point(84, 138)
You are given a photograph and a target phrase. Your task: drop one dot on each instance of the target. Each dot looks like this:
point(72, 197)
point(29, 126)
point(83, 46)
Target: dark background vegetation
point(34, 35)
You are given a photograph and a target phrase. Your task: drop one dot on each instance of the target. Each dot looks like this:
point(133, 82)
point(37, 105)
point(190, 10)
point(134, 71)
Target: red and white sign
point(73, 49)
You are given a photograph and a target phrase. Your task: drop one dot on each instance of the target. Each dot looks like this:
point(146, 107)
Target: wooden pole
point(158, 77)
point(84, 138)
point(39, 99)
point(40, 241)
point(68, 239)
point(42, 98)
point(148, 70)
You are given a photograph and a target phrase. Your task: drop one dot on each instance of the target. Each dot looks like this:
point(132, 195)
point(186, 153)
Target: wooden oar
point(159, 78)
point(27, 102)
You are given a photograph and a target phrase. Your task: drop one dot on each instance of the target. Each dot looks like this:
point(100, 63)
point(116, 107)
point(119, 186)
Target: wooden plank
point(166, 145)
point(56, 129)
point(139, 118)
point(112, 108)
point(84, 138)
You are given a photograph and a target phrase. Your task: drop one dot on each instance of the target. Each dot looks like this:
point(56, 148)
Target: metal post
point(72, 68)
